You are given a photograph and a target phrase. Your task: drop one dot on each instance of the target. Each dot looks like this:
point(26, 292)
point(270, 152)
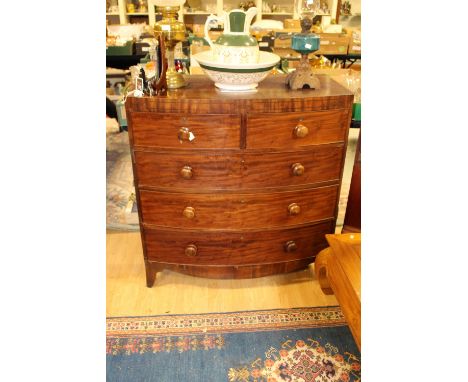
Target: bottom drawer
point(235, 248)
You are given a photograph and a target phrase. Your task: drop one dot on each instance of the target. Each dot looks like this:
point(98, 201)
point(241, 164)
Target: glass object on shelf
point(130, 7)
point(137, 6)
point(345, 8)
point(112, 6)
point(245, 5)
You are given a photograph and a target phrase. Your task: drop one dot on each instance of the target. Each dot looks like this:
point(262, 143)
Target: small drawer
point(291, 130)
point(185, 131)
point(295, 168)
point(218, 171)
point(235, 248)
point(201, 170)
point(238, 211)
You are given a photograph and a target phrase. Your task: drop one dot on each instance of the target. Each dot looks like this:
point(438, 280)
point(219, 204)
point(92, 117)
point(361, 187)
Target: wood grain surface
point(238, 211)
point(338, 269)
point(277, 130)
point(235, 248)
point(222, 179)
point(238, 170)
point(162, 130)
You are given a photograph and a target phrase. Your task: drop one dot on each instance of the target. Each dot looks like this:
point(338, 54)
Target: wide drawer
point(218, 171)
point(239, 248)
point(238, 211)
point(296, 129)
point(185, 131)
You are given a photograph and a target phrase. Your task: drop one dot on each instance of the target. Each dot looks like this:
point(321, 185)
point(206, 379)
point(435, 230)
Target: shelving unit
point(210, 6)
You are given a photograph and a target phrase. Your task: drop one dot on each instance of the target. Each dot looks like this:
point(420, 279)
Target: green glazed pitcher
point(235, 45)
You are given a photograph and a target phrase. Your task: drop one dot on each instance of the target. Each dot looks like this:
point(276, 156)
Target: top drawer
point(186, 131)
point(289, 130)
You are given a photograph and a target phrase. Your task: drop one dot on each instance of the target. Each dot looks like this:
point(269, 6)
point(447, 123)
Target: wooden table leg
point(321, 270)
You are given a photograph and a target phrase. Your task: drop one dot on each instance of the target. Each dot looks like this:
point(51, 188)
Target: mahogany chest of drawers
point(233, 185)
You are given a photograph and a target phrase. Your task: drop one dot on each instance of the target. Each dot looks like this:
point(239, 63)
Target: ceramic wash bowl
point(237, 77)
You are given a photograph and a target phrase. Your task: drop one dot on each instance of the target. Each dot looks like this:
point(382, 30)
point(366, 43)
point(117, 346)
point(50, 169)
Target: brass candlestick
point(173, 31)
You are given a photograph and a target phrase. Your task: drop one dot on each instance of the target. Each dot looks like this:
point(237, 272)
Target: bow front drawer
point(186, 131)
point(235, 171)
point(238, 211)
point(291, 130)
point(235, 248)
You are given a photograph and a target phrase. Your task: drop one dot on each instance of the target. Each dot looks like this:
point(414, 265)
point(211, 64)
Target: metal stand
point(303, 77)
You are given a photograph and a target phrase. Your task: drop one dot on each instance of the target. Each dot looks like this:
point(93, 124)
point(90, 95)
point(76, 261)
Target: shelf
point(277, 13)
point(197, 13)
point(137, 14)
point(111, 14)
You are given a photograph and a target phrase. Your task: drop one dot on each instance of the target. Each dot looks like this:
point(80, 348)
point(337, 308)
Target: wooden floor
point(173, 293)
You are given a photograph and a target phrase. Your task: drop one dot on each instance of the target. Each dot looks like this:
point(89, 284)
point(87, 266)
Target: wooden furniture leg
point(338, 269)
point(321, 270)
point(150, 274)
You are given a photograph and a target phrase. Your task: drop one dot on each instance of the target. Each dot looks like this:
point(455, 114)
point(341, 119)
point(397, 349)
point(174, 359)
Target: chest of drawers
point(233, 185)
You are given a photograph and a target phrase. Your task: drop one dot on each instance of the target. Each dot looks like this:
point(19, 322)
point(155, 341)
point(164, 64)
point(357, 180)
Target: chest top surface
point(201, 91)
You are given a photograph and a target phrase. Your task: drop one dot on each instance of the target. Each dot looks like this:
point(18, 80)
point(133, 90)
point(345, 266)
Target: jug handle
point(209, 20)
point(250, 14)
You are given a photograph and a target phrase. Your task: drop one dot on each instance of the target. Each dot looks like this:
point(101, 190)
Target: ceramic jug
point(235, 45)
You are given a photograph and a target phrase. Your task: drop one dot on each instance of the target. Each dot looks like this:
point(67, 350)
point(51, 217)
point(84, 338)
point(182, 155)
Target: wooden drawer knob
point(185, 134)
point(189, 212)
point(186, 172)
point(191, 250)
point(297, 169)
point(300, 131)
point(294, 209)
point(290, 246)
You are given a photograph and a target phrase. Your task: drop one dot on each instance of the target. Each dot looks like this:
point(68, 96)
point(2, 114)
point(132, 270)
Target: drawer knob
point(294, 209)
point(297, 169)
point(184, 134)
point(290, 246)
point(191, 250)
point(186, 172)
point(301, 131)
point(189, 212)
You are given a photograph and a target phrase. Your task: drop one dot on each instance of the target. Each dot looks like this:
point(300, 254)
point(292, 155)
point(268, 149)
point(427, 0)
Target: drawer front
point(208, 248)
point(192, 172)
point(186, 131)
point(238, 211)
point(290, 130)
point(216, 171)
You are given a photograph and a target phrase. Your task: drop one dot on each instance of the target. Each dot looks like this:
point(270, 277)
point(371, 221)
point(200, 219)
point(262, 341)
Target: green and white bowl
point(237, 77)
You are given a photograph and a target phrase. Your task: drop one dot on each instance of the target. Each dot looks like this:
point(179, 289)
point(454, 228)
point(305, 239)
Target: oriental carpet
point(293, 345)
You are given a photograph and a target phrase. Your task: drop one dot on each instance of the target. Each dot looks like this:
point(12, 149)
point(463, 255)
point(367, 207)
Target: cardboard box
point(198, 30)
point(292, 23)
point(215, 34)
point(333, 43)
point(354, 42)
point(282, 40)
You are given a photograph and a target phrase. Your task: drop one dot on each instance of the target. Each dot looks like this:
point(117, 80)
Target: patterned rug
point(121, 208)
point(292, 345)
point(122, 212)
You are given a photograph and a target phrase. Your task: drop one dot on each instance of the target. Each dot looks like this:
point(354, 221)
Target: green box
point(125, 50)
point(357, 111)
